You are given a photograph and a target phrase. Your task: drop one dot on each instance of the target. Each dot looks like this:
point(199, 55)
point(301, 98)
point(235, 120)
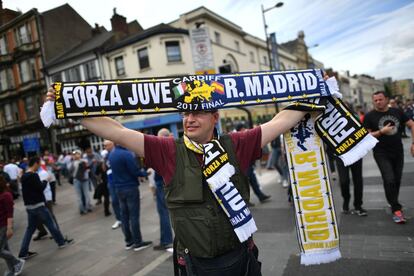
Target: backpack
point(80, 173)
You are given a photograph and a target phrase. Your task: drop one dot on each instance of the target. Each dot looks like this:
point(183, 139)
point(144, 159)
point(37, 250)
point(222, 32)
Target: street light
point(308, 64)
point(278, 5)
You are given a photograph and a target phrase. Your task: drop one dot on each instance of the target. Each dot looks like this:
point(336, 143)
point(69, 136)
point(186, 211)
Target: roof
point(155, 30)
point(97, 41)
point(290, 46)
point(17, 19)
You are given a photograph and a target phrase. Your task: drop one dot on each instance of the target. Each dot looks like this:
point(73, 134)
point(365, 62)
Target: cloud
point(375, 46)
point(370, 36)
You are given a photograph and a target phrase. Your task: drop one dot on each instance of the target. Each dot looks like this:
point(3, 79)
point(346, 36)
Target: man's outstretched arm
point(110, 129)
point(282, 122)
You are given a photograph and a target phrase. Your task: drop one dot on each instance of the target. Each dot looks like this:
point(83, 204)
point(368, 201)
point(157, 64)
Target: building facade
point(27, 41)
point(404, 89)
point(85, 62)
point(362, 87)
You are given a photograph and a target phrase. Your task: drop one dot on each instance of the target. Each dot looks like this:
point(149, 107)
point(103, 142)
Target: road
point(371, 245)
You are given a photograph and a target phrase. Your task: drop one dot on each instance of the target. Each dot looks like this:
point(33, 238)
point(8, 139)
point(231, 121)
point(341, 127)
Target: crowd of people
point(113, 176)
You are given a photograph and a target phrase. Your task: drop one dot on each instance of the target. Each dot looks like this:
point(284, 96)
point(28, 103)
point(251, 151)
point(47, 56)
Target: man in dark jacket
point(125, 173)
point(34, 201)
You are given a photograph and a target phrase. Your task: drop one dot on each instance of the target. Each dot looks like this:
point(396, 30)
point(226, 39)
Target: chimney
point(119, 25)
point(1, 12)
point(96, 30)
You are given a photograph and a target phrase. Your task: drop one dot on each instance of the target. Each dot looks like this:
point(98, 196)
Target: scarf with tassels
point(217, 171)
point(331, 122)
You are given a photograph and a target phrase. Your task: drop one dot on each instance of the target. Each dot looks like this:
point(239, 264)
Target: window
point(8, 114)
point(217, 37)
point(2, 118)
point(251, 57)
point(237, 45)
point(3, 45)
point(11, 113)
point(173, 51)
point(73, 74)
point(6, 79)
point(30, 106)
point(27, 70)
point(143, 58)
point(119, 66)
point(22, 35)
point(56, 77)
point(91, 71)
point(265, 60)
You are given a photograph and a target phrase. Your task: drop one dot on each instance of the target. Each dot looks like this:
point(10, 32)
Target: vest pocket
point(188, 189)
point(195, 233)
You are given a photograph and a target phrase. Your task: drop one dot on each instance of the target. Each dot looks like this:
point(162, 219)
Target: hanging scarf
point(217, 171)
point(316, 224)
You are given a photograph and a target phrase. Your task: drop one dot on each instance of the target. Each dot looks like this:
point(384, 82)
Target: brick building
point(27, 41)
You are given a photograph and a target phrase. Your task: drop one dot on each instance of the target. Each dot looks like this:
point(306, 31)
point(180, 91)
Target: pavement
point(372, 245)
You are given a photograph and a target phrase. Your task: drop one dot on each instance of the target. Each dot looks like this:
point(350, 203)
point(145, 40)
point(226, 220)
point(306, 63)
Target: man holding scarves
point(207, 240)
point(206, 187)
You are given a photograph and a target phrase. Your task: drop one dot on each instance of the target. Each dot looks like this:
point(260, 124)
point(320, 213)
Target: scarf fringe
point(320, 257)
point(47, 113)
point(360, 150)
point(246, 230)
point(221, 177)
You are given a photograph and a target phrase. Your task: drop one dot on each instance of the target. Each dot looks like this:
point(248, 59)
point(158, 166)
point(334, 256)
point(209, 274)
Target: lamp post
point(308, 64)
point(278, 5)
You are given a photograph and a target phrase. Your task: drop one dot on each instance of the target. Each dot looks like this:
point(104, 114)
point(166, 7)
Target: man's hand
point(387, 130)
point(50, 95)
point(9, 232)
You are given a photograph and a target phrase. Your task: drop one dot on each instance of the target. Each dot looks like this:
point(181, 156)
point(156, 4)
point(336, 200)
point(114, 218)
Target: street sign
point(31, 144)
point(202, 51)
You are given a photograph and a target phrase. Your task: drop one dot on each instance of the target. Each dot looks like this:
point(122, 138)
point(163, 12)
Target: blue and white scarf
point(217, 171)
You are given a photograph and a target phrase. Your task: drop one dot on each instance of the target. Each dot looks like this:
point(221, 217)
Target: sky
point(374, 37)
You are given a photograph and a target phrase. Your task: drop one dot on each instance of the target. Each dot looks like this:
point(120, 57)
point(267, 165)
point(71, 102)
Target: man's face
point(108, 145)
point(77, 156)
point(380, 102)
point(393, 103)
point(199, 125)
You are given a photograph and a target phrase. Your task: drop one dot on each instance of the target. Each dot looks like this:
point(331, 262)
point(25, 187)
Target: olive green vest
point(199, 223)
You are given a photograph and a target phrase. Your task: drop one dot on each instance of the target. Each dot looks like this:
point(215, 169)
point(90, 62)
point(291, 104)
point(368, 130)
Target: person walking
point(14, 173)
point(109, 146)
point(14, 265)
point(125, 173)
point(384, 123)
point(80, 173)
point(34, 202)
point(45, 177)
point(344, 180)
point(102, 186)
